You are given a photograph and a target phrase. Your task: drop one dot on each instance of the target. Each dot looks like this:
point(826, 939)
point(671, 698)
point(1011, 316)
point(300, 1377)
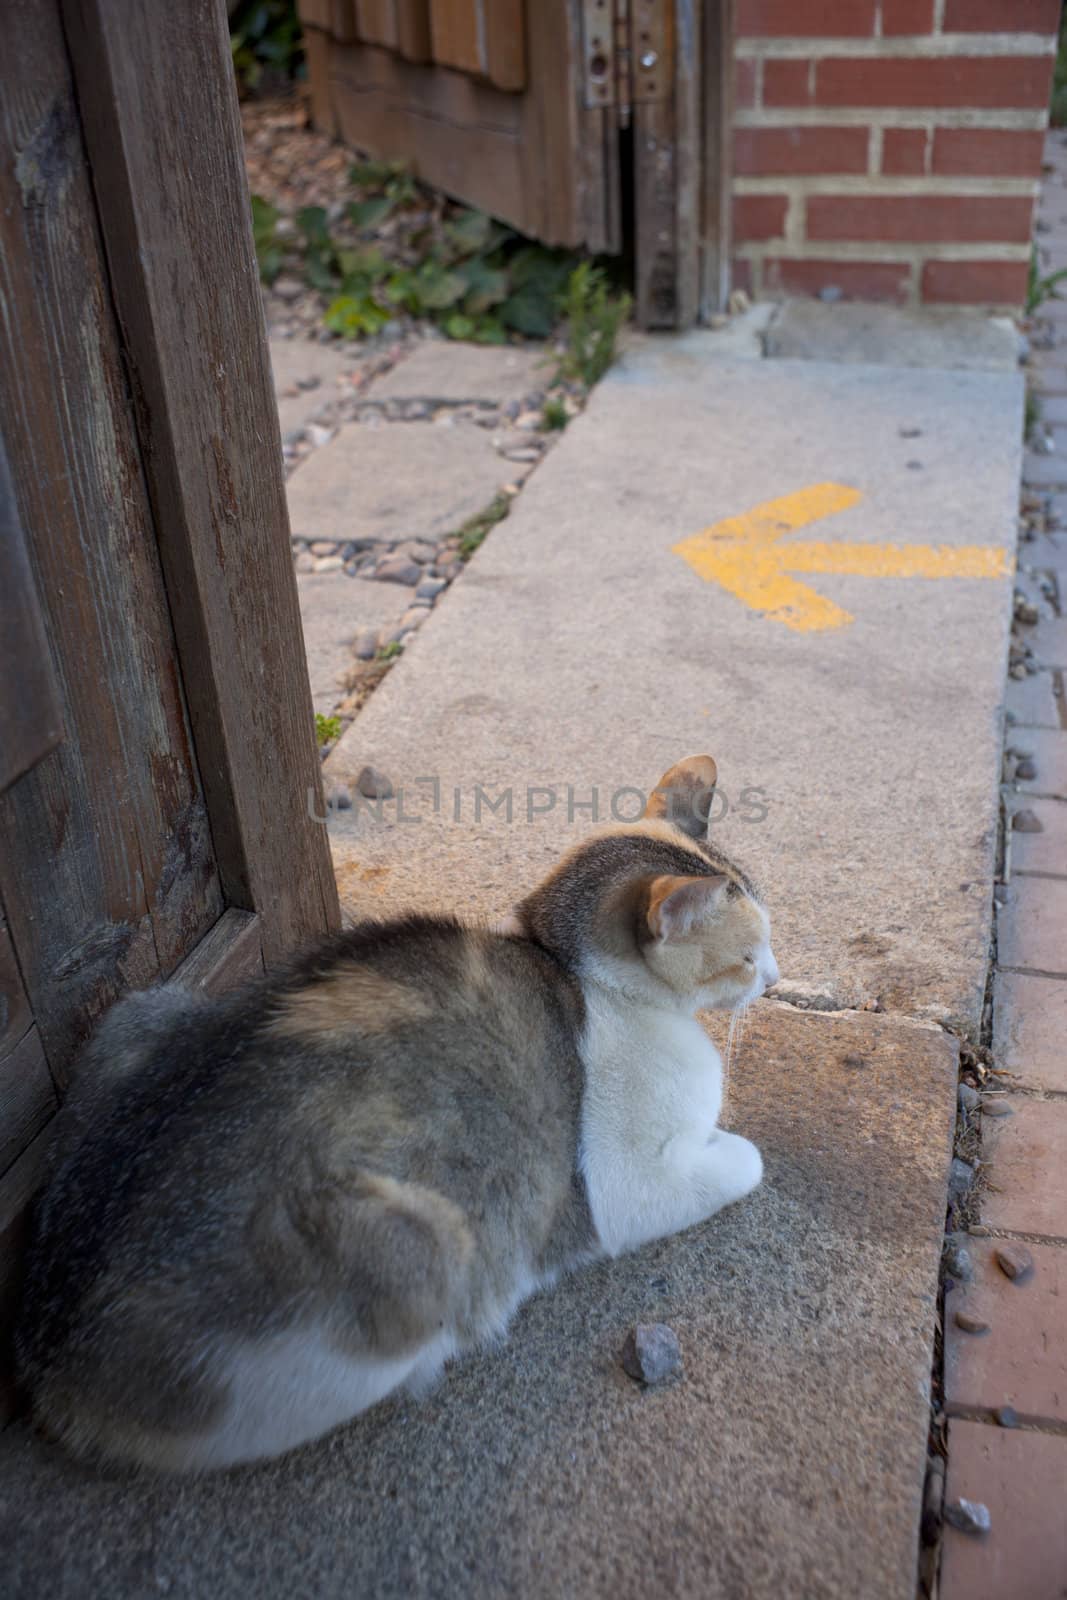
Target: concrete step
point(787, 1460)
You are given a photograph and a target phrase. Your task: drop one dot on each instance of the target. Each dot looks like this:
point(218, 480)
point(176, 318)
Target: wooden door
point(156, 730)
point(595, 124)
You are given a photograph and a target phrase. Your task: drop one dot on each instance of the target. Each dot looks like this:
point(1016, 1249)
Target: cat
point(266, 1212)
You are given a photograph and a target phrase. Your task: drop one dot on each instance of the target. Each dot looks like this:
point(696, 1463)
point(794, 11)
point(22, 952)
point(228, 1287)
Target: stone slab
point(1030, 1029)
point(787, 1461)
point(333, 609)
point(402, 480)
point(448, 371)
point(1025, 1157)
point(1039, 852)
point(1022, 1361)
point(893, 336)
point(580, 652)
point(1032, 926)
point(296, 361)
point(1020, 1477)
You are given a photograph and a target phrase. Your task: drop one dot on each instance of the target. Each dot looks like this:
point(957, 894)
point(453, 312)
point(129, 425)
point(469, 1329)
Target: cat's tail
point(134, 1027)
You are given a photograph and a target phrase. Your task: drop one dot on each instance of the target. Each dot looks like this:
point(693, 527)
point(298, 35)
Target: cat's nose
point(770, 971)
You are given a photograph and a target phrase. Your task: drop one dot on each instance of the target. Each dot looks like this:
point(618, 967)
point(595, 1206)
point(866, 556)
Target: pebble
point(960, 1177)
point(970, 1323)
point(415, 550)
point(830, 294)
point(996, 1108)
point(1026, 767)
point(287, 289)
point(328, 563)
point(395, 569)
point(979, 1230)
point(969, 1516)
point(933, 1494)
point(309, 383)
point(305, 562)
point(1015, 1261)
point(969, 1098)
point(374, 785)
point(1027, 821)
point(1007, 1416)
point(339, 798)
point(318, 435)
point(365, 646)
point(414, 617)
point(323, 547)
point(430, 588)
point(957, 1257)
point(651, 1353)
point(910, 433)
point(524, 453)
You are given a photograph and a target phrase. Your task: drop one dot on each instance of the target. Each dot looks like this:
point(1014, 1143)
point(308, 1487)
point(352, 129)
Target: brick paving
point(1006, 1382)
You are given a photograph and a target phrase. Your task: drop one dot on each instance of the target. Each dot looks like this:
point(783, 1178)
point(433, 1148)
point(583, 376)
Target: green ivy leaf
point(469, 231)
point(366, 214)
point(457, 326)
point(436, 288)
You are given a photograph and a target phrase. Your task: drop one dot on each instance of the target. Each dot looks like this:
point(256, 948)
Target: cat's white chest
point(652, 1099)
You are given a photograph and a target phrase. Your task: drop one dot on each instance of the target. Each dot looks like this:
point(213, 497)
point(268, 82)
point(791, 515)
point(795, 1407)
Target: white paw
point(739, 1165)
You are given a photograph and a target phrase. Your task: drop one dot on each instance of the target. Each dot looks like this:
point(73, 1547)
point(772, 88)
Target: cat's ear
point(677, 905)
point(683, 795)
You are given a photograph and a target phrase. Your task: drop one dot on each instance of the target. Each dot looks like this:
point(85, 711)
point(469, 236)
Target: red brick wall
point(889, 149)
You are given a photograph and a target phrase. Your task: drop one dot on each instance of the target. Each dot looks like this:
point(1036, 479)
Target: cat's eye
point(748, 961)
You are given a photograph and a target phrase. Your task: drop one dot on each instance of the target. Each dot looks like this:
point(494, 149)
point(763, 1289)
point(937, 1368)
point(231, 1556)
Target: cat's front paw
point(739, 1165)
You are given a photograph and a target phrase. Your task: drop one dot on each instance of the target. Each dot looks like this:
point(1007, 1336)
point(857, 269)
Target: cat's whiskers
point(733, 1043)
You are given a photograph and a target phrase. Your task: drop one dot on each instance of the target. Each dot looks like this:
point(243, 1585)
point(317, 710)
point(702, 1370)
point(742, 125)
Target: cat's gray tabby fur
point(264, 1213)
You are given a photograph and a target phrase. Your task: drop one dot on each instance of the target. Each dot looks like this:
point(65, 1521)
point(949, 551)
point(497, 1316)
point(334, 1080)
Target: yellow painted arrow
point(744, 556)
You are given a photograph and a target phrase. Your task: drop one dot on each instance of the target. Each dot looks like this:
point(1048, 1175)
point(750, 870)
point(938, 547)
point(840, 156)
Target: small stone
point(527, 453)
point(969, 1098)
point(313, 382)
point(374, 785)
point(1025, 611)
point(1015, 1261)
point(978, 1230)
point(933, 1494)
point(319, 436)
point(414, 617)
point(287, 288)
point(1026, 767)
point(430, 588)
point(328, 564)
point(397, 570)
point(415, 550)
point(339, 798)
point(323, 547)
point(365, 644)
point(1027, 821)
point(651, 1353)
point(996, 1108)
point(830, 294)
point(970, 1323)
point(957, 1258)
point(910, 433)
point(914, 466)
point(1007, 1416)
point(305, 562)
point(969, 1516)
point(960, 1177)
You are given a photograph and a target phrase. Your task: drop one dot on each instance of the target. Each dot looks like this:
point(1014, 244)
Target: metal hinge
point(627, 54)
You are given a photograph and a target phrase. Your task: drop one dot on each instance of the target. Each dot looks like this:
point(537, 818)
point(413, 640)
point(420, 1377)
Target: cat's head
point(654, 908)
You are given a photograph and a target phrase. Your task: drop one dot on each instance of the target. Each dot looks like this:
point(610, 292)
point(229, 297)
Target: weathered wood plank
point(457, 37)
point(655, 174)
point(107, 874)
point(30, 720)
point(717, 141)
point(458, 134)
point(159, 110)
point(377, 23)
point(27, 1097)
point(16, 1017)
point(413, 28)
point(17, 1189)
point(227, 956)
point(504, 24)
point(688, 162)
point(561, 188)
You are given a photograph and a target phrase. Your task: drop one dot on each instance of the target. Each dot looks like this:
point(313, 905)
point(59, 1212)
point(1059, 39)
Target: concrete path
point(580, 651)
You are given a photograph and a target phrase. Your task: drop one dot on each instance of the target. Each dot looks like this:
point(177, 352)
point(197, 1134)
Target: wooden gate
point(156, 731)
point(600, 124)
